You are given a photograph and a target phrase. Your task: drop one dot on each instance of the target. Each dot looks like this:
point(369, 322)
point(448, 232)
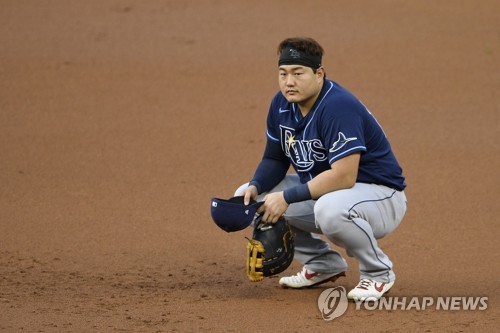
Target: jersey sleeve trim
point(347, 152)
point(271, 137)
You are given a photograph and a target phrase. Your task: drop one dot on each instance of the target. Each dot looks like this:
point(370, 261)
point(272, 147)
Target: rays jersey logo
point(341, 142)
point(302, 153)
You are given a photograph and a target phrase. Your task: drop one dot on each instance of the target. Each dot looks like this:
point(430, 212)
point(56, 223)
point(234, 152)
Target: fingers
point(272, 210)
point(249, 194)
point(273, 219)
point(263, 209)
point(270, 217)
point(246, 200)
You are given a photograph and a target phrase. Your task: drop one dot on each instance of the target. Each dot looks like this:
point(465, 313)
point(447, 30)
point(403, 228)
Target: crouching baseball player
point(348, 184)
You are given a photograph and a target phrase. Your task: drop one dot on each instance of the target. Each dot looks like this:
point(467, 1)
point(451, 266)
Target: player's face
point(299, 84)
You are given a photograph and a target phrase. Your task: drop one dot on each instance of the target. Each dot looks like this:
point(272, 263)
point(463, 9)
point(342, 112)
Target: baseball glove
point(271, 249)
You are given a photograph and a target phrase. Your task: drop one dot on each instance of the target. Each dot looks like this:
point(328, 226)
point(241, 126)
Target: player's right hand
point(250, 193)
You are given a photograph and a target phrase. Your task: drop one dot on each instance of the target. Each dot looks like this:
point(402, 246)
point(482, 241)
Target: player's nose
point(290, 81)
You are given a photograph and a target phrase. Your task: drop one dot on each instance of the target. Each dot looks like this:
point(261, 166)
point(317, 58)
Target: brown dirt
point(119, 120)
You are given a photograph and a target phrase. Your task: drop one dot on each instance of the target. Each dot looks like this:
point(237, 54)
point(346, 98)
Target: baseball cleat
point(369, 290)
point(306, 278)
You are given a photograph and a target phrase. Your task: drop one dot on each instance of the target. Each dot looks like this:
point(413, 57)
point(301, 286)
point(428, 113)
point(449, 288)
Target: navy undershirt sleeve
point(272, 169)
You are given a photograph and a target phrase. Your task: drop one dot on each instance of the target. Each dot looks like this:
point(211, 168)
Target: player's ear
point(320, 73)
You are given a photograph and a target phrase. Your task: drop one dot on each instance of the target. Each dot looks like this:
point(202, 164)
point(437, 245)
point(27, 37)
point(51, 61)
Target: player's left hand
point(273, 208)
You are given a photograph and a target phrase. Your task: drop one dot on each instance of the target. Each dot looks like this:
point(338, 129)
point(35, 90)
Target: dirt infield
point(119, 120)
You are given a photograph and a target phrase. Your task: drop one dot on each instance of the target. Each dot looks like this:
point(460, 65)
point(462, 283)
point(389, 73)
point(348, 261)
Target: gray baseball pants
point(353, 219)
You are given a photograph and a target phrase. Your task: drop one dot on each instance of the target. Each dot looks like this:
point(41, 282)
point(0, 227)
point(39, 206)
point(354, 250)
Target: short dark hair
point(303, 44)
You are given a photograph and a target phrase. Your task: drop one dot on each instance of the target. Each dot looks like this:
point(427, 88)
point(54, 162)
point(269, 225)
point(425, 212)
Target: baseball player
point(347, 184)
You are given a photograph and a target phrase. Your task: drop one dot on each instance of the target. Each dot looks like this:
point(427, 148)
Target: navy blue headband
point(291, 56)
